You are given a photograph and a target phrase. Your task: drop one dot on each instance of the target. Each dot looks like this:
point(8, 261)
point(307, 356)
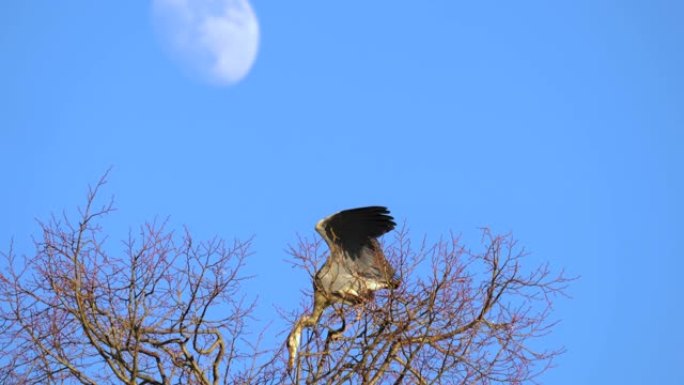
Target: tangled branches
point(468, 319)
point(167, 309)
point(75, 311)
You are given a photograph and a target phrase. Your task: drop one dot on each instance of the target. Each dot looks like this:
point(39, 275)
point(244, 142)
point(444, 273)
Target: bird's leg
point(335, 334)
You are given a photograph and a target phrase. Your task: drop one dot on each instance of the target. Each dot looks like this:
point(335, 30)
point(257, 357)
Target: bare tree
point(470, 318)
point(167, 309)
point(74, 312)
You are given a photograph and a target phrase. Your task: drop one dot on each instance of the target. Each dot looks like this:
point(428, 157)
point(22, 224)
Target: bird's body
point(355, 268)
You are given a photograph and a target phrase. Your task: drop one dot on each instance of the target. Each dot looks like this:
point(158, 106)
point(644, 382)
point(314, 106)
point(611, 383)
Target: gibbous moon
point(215, 39)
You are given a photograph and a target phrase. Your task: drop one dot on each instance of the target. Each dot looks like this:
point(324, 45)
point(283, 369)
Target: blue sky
point(559, 121)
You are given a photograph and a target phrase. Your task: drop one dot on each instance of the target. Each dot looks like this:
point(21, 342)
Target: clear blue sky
point(560, 121)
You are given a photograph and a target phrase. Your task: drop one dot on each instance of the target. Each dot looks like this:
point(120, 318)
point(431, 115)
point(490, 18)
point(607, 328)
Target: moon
point(217, 40)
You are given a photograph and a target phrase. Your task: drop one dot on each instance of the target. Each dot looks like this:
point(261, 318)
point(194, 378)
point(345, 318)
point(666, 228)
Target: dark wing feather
point(356, 229)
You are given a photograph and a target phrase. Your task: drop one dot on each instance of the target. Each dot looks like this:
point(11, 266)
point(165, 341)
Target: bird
point(355, 268)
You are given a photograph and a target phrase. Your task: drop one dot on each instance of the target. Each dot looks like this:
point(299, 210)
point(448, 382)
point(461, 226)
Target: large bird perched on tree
point(355, 268)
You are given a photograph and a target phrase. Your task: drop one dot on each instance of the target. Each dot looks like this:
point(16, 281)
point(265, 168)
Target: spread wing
point(351, 236)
